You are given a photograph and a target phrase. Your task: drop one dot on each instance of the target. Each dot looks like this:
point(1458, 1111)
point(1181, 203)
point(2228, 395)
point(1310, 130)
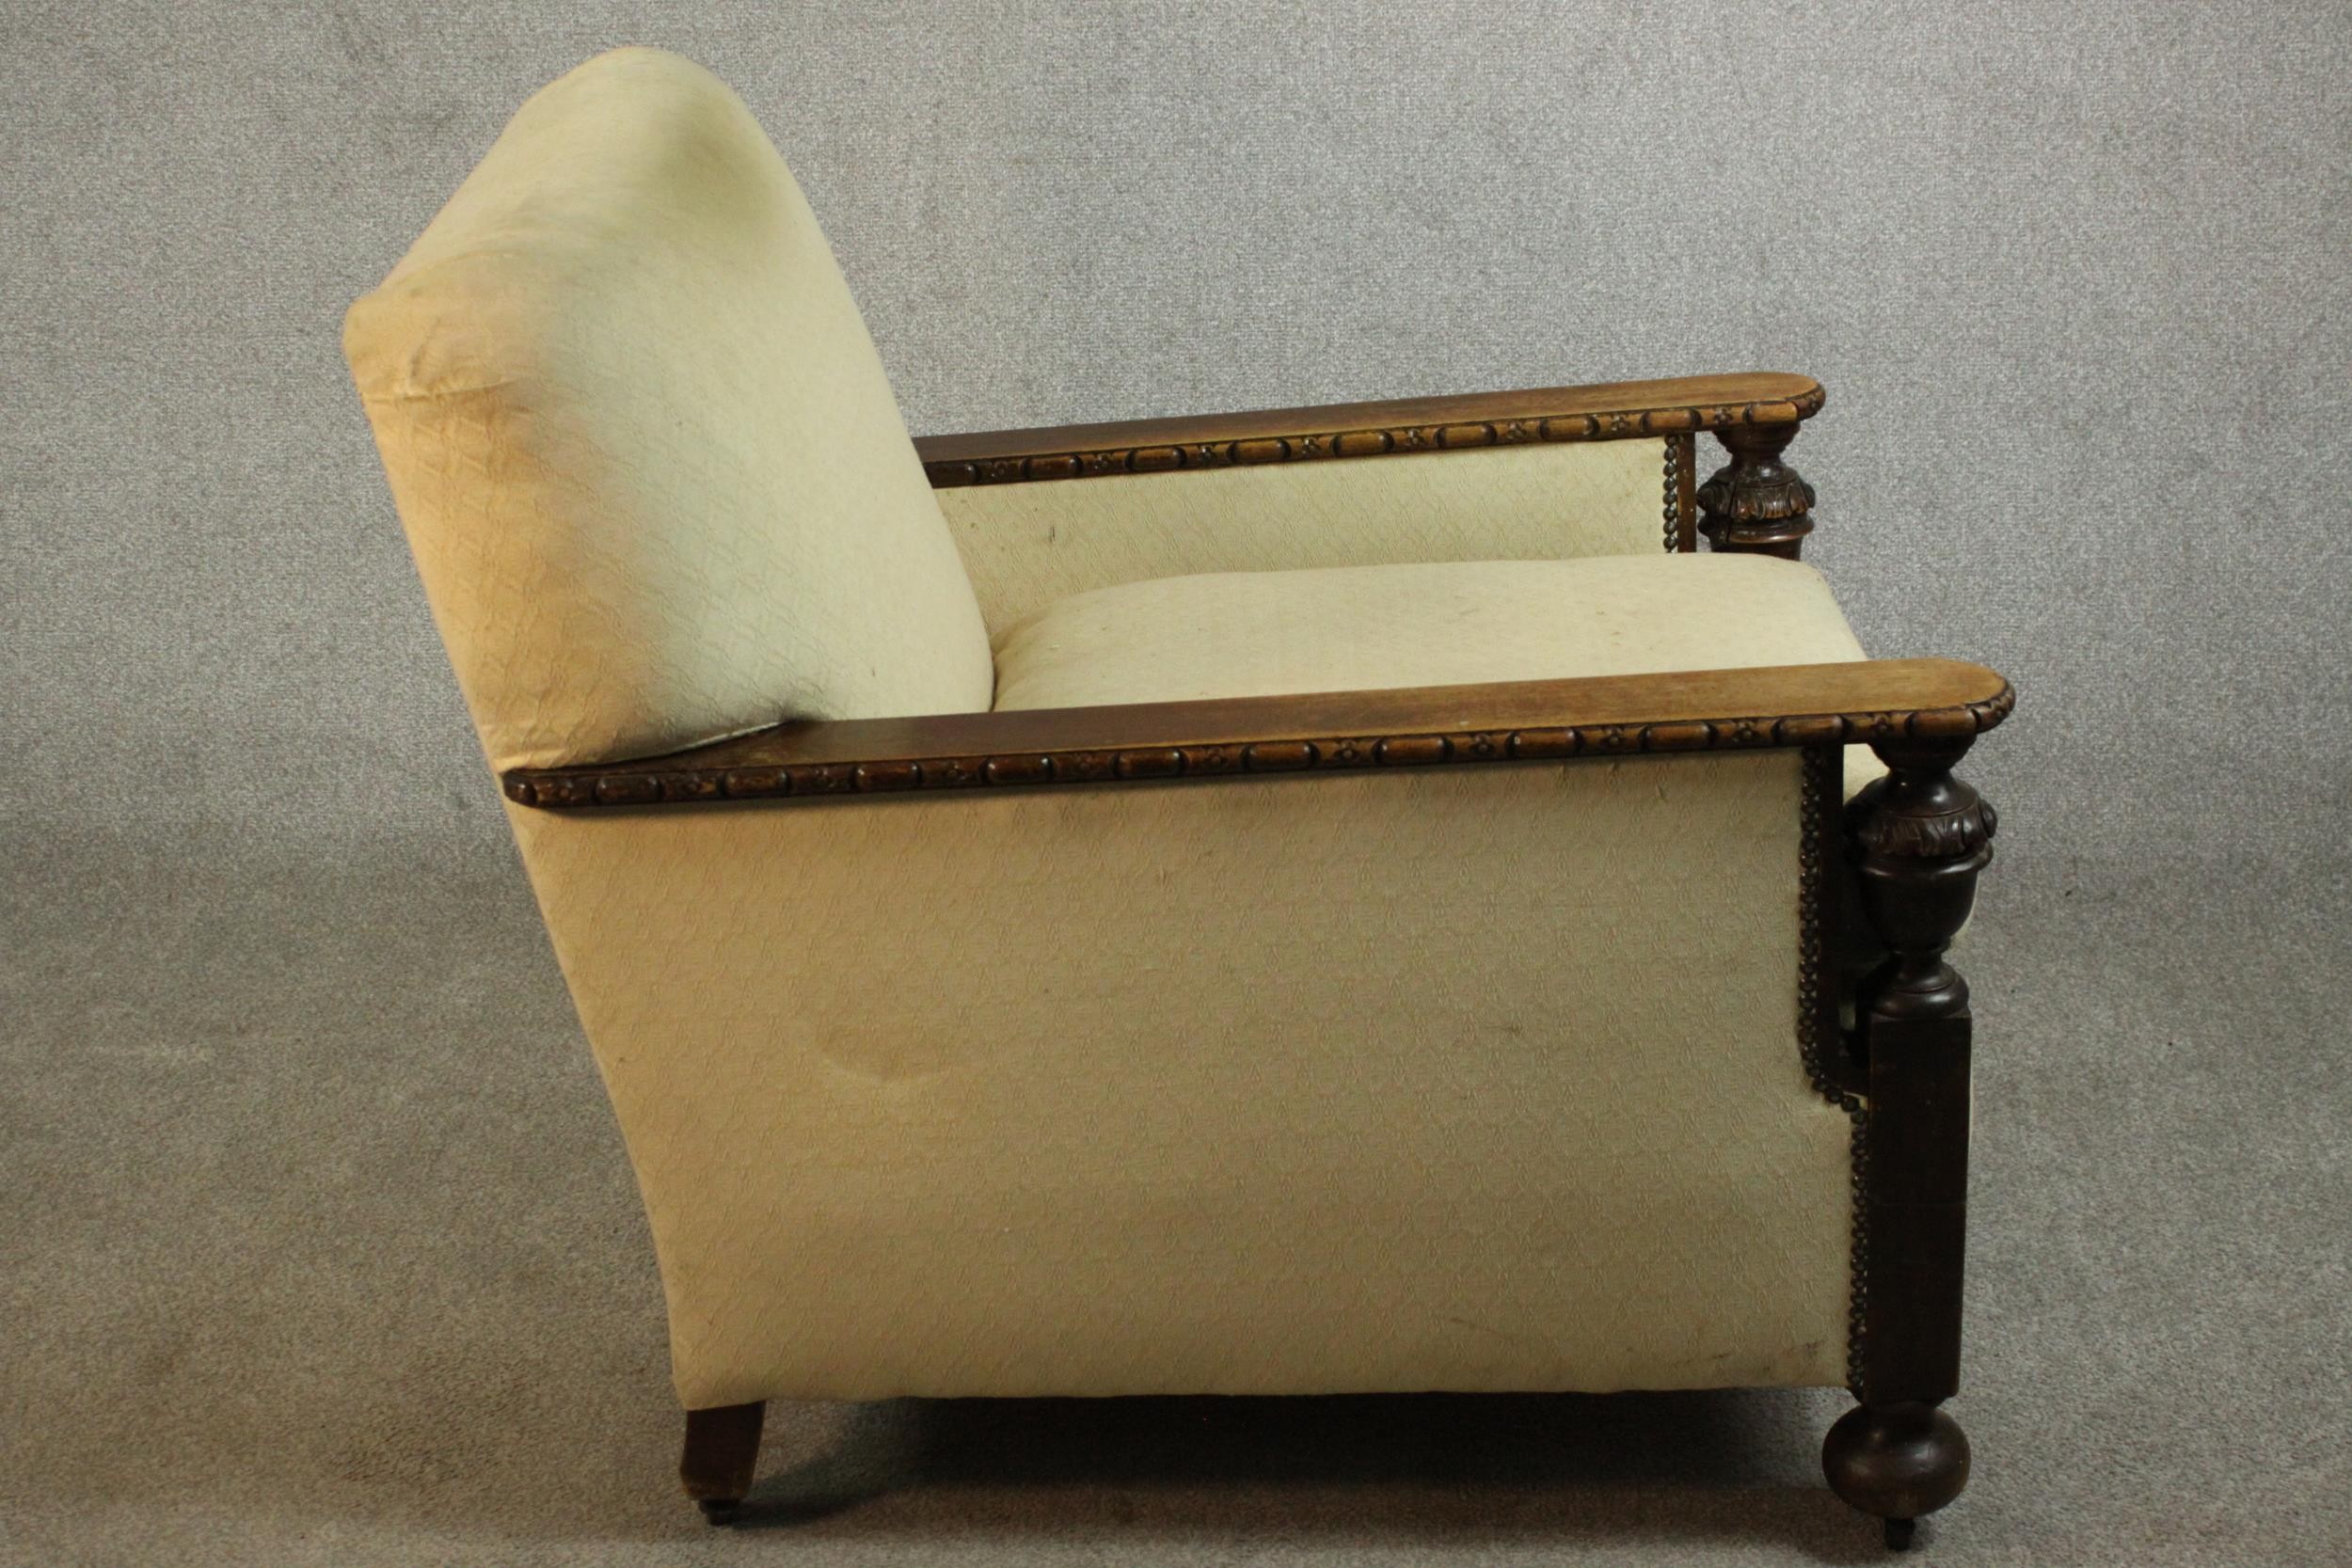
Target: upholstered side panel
point(1027, 545)
point(1476, 1079)
point(653, 475)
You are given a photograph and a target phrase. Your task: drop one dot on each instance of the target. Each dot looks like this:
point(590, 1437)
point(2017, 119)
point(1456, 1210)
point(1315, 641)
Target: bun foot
point(1898, 1461)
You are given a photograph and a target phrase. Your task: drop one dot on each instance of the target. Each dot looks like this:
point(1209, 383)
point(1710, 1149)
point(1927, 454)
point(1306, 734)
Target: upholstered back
point(654, 477)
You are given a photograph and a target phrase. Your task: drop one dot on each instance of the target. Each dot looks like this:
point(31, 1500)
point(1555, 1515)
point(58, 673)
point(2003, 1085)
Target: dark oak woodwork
point(1919, 838)
point(1606, 412)
point(1756, 502)
point(1681, 492)
point(1805, 704)
point(1897, 1462)
point(722, 1452)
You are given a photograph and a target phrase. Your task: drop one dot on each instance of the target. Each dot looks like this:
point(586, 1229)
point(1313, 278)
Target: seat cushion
point(1353, 628)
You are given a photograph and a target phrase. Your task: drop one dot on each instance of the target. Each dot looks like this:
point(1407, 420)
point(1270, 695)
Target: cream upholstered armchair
point(1327, 900)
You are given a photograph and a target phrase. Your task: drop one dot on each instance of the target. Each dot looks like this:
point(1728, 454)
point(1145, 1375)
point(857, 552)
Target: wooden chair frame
point(1908, 848)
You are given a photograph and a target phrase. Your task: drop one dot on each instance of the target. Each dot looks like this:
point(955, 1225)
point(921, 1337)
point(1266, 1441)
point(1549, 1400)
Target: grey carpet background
point(316, 1243)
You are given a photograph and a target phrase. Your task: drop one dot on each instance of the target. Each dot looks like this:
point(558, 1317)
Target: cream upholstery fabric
point(1247, 634)
point(1354, 628)
point(654, 478)
point(1029, 544)
point(1477, 1079)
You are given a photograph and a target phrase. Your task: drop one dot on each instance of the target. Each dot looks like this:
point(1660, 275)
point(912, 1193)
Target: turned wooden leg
point(721, 1449)
point(1919, 837)
point(1755, 502)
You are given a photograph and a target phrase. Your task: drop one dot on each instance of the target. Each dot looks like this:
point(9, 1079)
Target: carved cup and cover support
point(1756, 503)
point(1918, 840)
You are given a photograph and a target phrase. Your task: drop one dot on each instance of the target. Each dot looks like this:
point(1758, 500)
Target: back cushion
point(652, 472)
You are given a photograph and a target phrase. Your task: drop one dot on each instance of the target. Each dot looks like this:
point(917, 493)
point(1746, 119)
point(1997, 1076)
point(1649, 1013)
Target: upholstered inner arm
point(1546, 474)
point(1805, 704)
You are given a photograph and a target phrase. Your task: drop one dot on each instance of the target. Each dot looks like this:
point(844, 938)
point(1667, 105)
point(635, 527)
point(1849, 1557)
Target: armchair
point(1321, 900)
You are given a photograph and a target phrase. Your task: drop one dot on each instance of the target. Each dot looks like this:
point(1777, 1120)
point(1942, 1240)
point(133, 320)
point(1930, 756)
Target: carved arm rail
point(1607, 412)
point(1804, 704)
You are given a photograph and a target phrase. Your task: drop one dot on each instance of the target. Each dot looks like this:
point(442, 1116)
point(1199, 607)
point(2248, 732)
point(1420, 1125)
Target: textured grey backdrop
point(318, 1243)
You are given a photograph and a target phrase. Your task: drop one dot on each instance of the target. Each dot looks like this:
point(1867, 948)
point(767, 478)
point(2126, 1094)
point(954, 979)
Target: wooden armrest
point(1798, 705)
point(1613, 411)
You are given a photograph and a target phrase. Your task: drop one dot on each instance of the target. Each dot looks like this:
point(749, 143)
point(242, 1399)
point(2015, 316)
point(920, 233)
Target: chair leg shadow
point(1695, 1467)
